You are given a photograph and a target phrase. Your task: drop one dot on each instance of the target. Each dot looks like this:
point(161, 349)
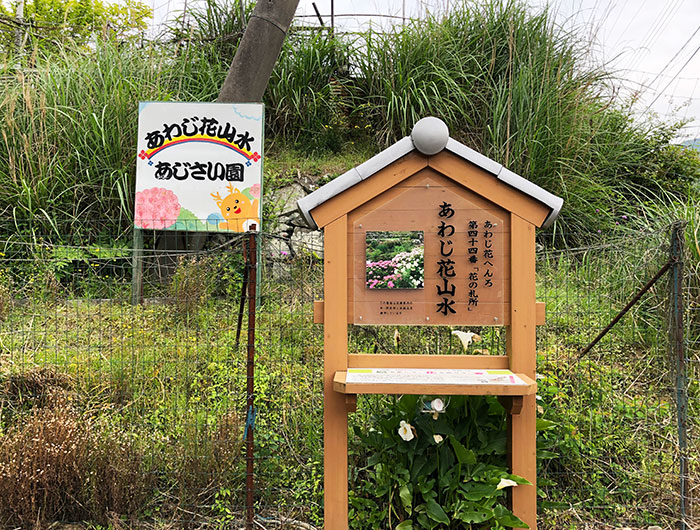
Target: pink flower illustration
point(255, 191)
point(156, 208)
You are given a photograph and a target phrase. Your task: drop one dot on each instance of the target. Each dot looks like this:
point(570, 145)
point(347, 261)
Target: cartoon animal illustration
point(236, 209)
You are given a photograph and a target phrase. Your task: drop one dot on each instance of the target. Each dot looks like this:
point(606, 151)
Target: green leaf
point(425, 522)
point(544, 425)
point(496, 445)
point(505, 517)
point(472, 513)
point(406, 525)
point(464, 455)
point(425, 487)
point(407, 403)
point(426, 469)
point(518, 479)
point(475, 491)
point(406, 499)
point(436, 513)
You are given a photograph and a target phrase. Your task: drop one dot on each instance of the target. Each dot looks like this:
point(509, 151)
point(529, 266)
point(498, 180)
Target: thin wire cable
point(669, 63)
point(650, 37)
point(630, 23)
point(673, 79)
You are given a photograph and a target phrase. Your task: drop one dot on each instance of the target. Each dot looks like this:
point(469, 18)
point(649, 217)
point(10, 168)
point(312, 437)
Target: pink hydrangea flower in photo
point(156, 208)
point(255, 191)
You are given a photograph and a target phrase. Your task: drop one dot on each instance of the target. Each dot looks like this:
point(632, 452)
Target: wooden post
point(137, 268)
point(520, 345)
point(335, 350)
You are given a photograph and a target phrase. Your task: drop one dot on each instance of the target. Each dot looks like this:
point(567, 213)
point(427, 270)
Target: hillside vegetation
point(508, 82)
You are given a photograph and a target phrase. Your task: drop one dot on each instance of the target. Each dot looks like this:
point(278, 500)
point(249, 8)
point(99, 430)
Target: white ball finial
point(430, 135)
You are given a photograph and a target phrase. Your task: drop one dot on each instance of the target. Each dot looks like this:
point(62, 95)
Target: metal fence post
point(678, 353)
point(251, 273)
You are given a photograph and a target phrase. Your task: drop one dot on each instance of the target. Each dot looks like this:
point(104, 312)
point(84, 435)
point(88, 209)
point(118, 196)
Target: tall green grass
point(67, 149)
point(513, 85)
point(67, 141)
point(507, 80)
point(309, 97)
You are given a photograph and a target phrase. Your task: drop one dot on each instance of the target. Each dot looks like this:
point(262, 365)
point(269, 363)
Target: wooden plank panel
point(350, 268)
point(408, 209)
point(494, 294)
point(429, 181)
point(374, 360)
point(383, 312)
point(362, 192)
point(521, 334)
point(540, 313)
point(335, 347)
point(318, 312)
point(520, 345)
point(341, 386)
point(490, 187)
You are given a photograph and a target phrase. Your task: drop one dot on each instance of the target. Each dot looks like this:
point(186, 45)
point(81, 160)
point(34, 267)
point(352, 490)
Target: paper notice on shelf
point(419, 376)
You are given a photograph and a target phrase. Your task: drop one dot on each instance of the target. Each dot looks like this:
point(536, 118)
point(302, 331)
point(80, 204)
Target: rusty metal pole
point(251, 267)
point(629, 306)
point(678, 351)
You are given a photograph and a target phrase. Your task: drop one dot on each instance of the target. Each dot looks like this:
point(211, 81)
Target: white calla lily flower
point(466, 337)
point(506, 483)
point(406, 431)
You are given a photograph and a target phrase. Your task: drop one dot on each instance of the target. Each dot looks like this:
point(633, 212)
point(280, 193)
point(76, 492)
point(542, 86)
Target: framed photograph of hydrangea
point(394, 260)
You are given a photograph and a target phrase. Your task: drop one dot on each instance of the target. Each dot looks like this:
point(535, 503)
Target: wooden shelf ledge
point(485, 382)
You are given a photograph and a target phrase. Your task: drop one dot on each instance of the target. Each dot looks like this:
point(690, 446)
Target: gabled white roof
point(429, 136)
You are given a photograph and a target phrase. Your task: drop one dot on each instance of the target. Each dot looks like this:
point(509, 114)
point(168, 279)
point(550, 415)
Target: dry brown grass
point(58, 464)
point(43, 466)
point(40, 387)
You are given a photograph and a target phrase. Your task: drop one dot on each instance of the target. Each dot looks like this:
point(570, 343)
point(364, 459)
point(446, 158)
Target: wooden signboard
point(465, 260)
point(428, 233)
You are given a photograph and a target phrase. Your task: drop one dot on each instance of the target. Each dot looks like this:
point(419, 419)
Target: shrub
point(43, 466)
point(403, 271)
point(429, 470)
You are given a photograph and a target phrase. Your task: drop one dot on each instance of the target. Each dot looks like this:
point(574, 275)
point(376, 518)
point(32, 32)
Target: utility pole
point(253, 63)
point(258, 51)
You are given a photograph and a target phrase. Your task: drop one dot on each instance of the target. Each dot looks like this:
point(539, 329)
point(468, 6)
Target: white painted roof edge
point(533, 190)
point(405, 146)
point(348, 179)
point(474, 157)
point(512, 179)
